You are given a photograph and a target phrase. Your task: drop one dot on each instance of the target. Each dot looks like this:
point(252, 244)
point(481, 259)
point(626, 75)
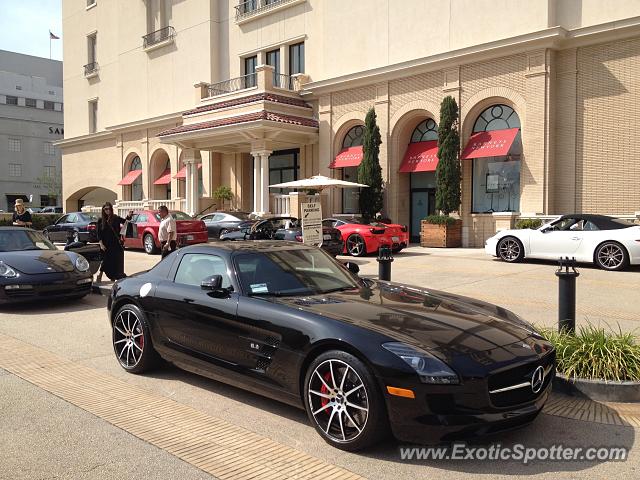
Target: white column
point(191, 162)
point(257, 208)
point(265, 182)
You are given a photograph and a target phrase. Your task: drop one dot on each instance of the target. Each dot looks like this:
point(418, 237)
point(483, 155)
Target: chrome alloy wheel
point(610, 256)
point(338, 400)
point(149, 245)
point(356, 245)
point(509, 249)
point(128, 338)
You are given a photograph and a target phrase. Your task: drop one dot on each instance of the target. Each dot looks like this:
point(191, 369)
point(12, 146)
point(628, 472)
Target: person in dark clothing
point(22, 216)
point(108, 233)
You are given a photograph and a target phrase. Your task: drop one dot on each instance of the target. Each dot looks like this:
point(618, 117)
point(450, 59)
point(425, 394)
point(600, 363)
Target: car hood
point(431, 320)
point(33, 262)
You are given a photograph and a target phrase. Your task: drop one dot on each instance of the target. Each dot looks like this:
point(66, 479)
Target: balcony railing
point(158, 36)
point(282, 81)
point(90, 68)
point(251, 7)
point(232, 85)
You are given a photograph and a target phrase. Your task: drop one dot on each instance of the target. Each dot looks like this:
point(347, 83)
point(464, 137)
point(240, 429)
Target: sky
point(25, 25)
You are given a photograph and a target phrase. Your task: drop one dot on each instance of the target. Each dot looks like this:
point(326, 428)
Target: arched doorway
point(420, 162)
point(132, 181)
point(89, 196)
point(495, 148)
point(160, 172)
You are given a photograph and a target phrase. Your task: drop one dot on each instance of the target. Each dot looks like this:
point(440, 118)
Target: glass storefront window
point(283, 167)
point(136, 186)
point(496, 180)
point(350, 196)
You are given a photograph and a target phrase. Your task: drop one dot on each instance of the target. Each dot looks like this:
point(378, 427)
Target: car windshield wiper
point(280, 294)
point(337, 289)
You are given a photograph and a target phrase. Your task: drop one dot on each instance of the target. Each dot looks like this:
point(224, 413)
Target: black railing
point(282, 81)
point(90, 68)
point(158, 36)
point(232, 85)
point(250, 7)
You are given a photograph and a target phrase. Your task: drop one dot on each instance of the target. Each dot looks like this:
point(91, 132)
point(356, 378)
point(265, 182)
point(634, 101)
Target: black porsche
point(32, 268)
point(363, 357)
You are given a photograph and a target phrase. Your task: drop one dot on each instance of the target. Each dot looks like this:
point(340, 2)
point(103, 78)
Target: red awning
point(164, 179)
point(420, 157)
point(348, 157)
point(495, 143)
point(130, 177)
point(182, 173)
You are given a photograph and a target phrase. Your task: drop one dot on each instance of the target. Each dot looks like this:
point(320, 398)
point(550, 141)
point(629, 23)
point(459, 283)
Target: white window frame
point(15, 169)
point(49, 148)
point(93, 115)
point(14, 145)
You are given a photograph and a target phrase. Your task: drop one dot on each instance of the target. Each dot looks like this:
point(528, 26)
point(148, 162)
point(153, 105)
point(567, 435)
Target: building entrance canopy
point(420, 157)
point(493, 143)
point(348, 157)
point(130, 177)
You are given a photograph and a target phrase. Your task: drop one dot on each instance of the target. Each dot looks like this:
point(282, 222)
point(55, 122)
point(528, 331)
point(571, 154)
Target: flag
point(52, 36)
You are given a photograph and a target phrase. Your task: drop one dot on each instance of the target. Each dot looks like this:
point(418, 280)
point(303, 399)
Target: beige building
point(168, 99)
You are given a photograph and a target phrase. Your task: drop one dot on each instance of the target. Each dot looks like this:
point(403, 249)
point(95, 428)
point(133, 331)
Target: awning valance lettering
point(494, 143)
point(348, 157)
point(420, 157)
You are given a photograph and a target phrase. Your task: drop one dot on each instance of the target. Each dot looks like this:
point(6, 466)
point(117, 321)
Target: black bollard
point(567, 275)
point(384, 263)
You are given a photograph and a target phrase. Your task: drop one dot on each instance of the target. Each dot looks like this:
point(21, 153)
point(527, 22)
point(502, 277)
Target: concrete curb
point(598, 390)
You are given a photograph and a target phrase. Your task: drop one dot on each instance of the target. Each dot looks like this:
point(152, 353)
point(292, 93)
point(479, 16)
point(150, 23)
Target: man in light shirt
point(167, 233)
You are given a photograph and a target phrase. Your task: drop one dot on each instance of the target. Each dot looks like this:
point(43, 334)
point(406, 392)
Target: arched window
point(496, 117)
point(425, 131)
point(496, 180)
point(168, 185)
point(353, 138)
point(350, 204)
point(136, 186)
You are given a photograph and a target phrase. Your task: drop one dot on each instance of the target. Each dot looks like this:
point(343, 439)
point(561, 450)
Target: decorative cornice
point(258, 97)
point(83, 139)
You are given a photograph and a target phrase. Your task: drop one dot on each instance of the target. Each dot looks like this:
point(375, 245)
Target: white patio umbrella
point(318, 182)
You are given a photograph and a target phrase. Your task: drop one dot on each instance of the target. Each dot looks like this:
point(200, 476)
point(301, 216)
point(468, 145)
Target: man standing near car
point(167, 233)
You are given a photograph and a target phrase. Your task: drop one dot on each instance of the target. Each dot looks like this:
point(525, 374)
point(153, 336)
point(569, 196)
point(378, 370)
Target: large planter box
point(441, 236)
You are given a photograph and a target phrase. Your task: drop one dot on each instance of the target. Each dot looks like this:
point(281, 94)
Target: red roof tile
point(267, 97)
point(248, 117)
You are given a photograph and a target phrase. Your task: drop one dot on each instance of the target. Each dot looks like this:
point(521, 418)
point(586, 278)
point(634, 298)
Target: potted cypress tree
point(442, 230)
point(223, 193)
point(369, 171)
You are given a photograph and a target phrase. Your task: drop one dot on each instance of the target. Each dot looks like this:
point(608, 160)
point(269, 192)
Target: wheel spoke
point(322, 380)
point(120, 341)
point(120, 331)
point(333, 412)
point(341, 426)
point(333, 377)
point(353, 390)
point(324, 407)
point(353, 405)
point(320, 394)
point(344, 377)
point(136, 345)
point(352, 421)
point(122, 351)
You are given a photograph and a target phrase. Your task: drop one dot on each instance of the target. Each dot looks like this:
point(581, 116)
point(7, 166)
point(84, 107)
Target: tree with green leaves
point(222, 193)
point(369, 171)
point(448, 171)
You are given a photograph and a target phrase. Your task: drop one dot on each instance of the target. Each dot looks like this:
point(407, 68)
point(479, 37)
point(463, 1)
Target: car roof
point(245, 246)
point(603, 222)
point(12, 228)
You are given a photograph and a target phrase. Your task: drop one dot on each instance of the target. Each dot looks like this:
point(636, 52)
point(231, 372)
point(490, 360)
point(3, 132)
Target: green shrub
point(531, 223)
point(222, 193)
point(593, 353)
point(39, 221)
point(440, 220)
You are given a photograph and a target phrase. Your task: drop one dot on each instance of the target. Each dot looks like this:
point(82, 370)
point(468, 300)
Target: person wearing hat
point(21, 216)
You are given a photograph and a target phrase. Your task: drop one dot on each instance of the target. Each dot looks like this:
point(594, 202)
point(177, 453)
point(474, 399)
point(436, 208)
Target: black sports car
point(285, 228)
point(219, 223)
point(32, 268)
point(286, 320)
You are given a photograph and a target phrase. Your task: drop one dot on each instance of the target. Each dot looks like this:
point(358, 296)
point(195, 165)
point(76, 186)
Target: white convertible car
point(610, 243)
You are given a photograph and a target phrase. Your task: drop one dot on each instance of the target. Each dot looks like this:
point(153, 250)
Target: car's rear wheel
point(356, 245)
point(611, 256)
point(343, 402)
point(510, 249)
point(76, 236)
point(132, 341)
point(149, 244)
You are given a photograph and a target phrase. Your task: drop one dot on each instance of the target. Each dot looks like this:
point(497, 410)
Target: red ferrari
point(361, 238)
point(142, 231)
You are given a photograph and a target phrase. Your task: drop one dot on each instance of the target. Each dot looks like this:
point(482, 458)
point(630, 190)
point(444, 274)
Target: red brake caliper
point(325, 390)
point(141, 341)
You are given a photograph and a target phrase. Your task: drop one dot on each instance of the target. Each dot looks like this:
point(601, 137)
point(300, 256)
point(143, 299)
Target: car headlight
point(6, 271)
point(429, 368)
point(81, 264)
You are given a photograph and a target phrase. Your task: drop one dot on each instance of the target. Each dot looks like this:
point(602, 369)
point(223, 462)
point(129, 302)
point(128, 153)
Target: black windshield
point(19, 240)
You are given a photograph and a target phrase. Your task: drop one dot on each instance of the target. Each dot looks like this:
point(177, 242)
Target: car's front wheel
point(356, 245)
point(343, 402)
point(510, 249)
point(223, 231)
point(149, 244)
point(611, 256)
point(132, 341)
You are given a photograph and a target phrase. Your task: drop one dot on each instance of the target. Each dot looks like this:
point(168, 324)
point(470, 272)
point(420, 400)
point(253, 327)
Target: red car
point(142, 231)
point(361, 238)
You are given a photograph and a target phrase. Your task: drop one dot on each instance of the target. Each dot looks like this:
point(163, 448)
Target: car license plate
point(326, 237)
point(395, 239)
point(189, 237)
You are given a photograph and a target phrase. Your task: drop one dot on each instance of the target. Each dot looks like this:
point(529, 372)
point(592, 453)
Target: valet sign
point(311, 214)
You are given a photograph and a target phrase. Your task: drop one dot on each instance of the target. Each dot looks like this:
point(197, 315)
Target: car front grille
point(513, 386)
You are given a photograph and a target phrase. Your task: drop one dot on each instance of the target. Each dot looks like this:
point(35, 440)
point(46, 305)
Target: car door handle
point(576, 238)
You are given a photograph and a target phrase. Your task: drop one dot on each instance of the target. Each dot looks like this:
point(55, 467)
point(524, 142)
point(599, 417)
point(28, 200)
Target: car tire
point(611, 256)
point(510, 250)
point(347, 410)
point(356, 246)
point(397, 250)
point(149, 244)
point(76, 236)
point(131, 340)
point(223, 231)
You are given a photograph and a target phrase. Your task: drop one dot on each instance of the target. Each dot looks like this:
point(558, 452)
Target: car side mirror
point(212, 283)
point(547, 230)
point(352, 267)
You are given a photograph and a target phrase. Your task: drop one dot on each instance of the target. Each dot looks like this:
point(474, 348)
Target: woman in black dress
point(108, 233)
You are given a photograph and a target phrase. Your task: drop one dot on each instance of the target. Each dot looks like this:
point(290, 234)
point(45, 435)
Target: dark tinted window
point(18, 240)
